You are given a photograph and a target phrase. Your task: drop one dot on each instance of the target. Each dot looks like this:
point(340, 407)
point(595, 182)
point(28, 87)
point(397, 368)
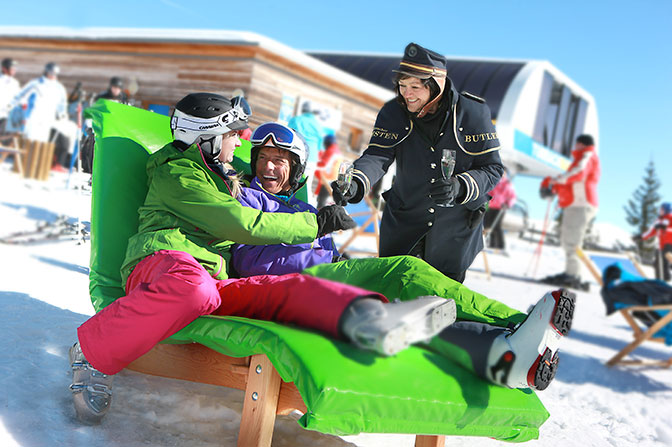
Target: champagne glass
point(345, 176)
point(448, 167)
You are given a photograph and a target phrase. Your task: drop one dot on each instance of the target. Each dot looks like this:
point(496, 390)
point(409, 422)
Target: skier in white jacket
point(9, 87)
point(43, 100)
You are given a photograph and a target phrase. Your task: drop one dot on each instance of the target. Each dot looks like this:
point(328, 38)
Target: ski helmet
point(283, 138)
point(116, 81)
point(310, 107)
point(665, 208)
point(203, 118)
point(52, 68)
point(8, 63)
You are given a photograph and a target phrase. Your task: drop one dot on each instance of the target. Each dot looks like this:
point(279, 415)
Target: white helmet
point(204, 117)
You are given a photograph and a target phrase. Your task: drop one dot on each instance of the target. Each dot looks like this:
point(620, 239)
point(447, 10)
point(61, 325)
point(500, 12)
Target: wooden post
point(260, 405)
point(485, 264)
point(430, 441)
point(593, 270)
point(31, 159)
point(46, 160)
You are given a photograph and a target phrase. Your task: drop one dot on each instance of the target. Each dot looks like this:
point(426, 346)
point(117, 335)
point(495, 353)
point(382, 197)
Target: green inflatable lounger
point(339, 389)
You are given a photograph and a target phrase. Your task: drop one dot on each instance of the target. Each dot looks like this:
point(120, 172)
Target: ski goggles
point(282, 136)
point(240, 111)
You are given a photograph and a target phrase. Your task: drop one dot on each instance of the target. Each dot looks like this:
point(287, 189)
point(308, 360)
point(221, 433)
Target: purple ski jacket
point(251, 260)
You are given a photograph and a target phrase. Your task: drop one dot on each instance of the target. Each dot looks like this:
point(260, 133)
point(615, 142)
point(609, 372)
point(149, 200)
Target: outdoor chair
point(646, 305)
point(338, 388)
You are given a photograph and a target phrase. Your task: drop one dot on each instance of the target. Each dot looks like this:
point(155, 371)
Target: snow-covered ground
point(44, 297)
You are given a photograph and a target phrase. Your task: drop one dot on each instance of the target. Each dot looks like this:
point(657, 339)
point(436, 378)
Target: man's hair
point(585, 139)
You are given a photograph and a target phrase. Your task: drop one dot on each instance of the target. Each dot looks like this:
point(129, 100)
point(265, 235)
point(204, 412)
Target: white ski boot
point(388, 328)
point(91, 389)
point(527, 357)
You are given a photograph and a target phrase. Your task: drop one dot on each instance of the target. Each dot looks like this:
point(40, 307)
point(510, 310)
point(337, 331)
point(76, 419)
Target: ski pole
point(537, 251)
point(495, 221)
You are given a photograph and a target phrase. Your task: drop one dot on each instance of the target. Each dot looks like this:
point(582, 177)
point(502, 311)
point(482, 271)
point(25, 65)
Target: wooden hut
point(159, 66)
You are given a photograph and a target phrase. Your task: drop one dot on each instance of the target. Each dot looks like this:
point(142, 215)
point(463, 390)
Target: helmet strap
point(181, 145)
point(211, 147)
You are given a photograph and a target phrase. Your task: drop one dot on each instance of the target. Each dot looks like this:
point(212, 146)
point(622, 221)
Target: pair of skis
point(60, 229)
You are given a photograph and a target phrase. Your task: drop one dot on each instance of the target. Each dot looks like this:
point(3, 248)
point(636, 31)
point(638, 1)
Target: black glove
point(445, 191)
point(661, 226)
point(342, 198)
point(333, 218)
point(339, 258)
point(637, 238)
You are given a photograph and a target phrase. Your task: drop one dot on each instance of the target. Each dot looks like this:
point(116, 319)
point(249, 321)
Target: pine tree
point(642, 209)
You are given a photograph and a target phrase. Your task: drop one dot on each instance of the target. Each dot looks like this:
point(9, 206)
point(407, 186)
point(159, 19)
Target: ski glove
point(342, 198)
point(445, 191)
point(333, 218)
point(339, 258)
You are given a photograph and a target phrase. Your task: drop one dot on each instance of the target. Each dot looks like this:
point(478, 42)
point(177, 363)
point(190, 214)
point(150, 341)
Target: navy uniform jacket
point(410, 214)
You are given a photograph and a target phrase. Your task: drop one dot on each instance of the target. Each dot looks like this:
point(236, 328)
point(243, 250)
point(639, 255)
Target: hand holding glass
point(345, 176)
point(448, 167)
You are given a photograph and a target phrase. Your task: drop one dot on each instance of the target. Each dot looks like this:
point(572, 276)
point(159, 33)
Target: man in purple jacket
point(277, 176)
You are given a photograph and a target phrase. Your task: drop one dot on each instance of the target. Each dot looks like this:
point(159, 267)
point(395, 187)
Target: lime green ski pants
point(407, 277)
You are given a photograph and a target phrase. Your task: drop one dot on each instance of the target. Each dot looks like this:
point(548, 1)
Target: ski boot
point(567, 281)
point(528, 356)
point(91, 389)
point(388, 328)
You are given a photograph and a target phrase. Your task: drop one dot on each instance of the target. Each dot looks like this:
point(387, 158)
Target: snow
point(44, 297)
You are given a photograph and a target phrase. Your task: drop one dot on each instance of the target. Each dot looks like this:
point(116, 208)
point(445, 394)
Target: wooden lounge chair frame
point(266, 394)
point(640, 334)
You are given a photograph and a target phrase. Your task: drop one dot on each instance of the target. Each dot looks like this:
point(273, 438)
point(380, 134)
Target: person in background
point(576, 189)
point(662, 228)
point(177, 264)
point(43, 101)
point(503, 197)
point(327, 168)
point(115, 91)
point(310, 128)
point(245, 134)
point(429, 213)
point(500, 344)
point(9, 88)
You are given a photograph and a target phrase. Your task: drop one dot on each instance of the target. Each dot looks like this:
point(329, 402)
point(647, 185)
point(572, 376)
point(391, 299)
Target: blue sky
point(619, 51)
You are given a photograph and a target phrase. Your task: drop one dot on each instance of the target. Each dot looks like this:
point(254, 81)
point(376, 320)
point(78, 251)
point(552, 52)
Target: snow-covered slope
point(43, 298)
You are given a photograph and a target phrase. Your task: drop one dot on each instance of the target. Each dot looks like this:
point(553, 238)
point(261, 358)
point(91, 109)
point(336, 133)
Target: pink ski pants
point(169, 289)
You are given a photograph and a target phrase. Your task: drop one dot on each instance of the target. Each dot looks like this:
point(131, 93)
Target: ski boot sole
point(543, 370)
point(564, 311)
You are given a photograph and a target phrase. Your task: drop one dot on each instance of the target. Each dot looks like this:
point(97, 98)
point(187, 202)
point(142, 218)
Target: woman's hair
point(434, 88)
point(234, 179)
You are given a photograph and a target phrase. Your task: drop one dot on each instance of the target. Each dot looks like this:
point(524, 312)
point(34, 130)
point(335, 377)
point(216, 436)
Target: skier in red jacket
point(662, 228)
point(577, 196)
